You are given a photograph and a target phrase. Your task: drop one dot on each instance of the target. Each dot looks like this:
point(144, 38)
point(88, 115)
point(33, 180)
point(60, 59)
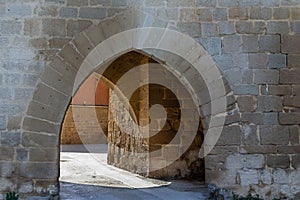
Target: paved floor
point(86, 176)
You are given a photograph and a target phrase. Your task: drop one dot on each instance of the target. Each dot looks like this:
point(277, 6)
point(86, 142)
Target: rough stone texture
point(254, 43)
point(86, 130)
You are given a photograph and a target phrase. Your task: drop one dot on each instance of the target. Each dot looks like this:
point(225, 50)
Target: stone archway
point(97, 46)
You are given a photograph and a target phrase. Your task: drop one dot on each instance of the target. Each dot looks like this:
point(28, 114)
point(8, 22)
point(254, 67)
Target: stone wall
point(86, 130)
point(254, 44)
point(142, 151)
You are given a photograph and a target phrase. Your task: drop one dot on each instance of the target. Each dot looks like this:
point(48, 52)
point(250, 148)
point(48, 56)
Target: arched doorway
point(99, 46)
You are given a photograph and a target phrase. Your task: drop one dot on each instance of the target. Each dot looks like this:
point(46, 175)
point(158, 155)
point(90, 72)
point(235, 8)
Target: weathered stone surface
point(92, 13)
point(289, 76)
point(54, 27)
point(272, 135)
point(289, 44)
point(269, 43)
point(252, 43)
point(278, 161)
point(246, 103)
point(266, 76)
point(38, 170)
point(289, 118)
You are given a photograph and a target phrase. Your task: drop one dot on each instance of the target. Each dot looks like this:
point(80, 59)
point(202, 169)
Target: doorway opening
point(96, 151)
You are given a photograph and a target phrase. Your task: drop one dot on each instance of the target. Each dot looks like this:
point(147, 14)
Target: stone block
point(204, 15)
point(292, 101)
point(3, 123)
point(119, 3)
point(74, 27)
point(296, 161)
point(289, 118)
point(231, 135)
point(38, 170)
point(278, 161)
point(271, 3)
point(281, 176)
point(294, 135)
point(246, 89)
point(220, 14)
point(180, 3)
point(293, 60)
point(54, 27)
point(206, 3)
point(154, 3)
point(77, 3)
point(50, 10)
point(266, 76)
point(226, 28)
point(32, 27)
point(6, 184)
point(224, 61)
point(247, 27)
point(22, 154)
point(269, 43)
point(296, 90)
point(258, 149)
point(240, 13)
point(249, 136)
point(19, 10)
point(278, 27)
point(37, 125)
point(254, 161)
point(8, 27)
point(71, 55)
point(266, 176)
point(246, 103)
point(39, 43)
point(228, 3)
point(248, 177)
point(290, 44)
point(252, 117)
point(258, 60)
point(191, 28)
point(92, 13)
point(289, 76)
point(55, 1)
point(295, 27)
point(31, 139)
point(7, 169)
point(250, 43)
point(66, 12)
point(43, 111)
point(100, 3)
point(261, 13)
point(48, 96)
point(295, 12)
point(212, 45)
point(6, 94)
point(274, 135)
point(22, 93)
point(10, 139)
point(281, 13)
point(58, 43)
point(7, 153)
point(43, 154)
point(269, 103)
point(209, 29)
point(277, 61)
point(278, 90)
point(290, 3)
point(232, 43)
